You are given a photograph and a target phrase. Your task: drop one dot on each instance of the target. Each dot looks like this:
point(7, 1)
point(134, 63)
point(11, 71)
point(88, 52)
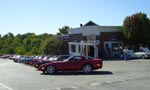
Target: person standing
point(125, 50)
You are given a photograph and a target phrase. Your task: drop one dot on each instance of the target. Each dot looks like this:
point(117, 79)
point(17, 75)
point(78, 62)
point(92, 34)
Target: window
point(91, 37)
point(63, 57)
point(73, 48)
point(88, 58)
point(115, 46)
point(76, 58)
point(79, 48)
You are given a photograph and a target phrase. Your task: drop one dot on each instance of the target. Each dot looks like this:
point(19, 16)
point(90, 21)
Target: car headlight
point(98, 65)
point(42, 68)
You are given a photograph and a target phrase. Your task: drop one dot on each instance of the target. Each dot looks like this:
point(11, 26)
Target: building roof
point(91, 23)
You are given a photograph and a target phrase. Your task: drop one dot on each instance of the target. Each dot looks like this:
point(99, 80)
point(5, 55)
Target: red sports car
point(73, 63)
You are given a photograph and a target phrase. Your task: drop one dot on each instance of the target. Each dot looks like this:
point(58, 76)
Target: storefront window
point(79, 48)
point(73, 48)
point(115, 46)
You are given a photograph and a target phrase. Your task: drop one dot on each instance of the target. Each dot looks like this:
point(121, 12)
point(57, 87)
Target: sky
point(47, 16)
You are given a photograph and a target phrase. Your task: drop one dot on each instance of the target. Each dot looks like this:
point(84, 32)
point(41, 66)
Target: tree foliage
point(52, 45)
point(136, 29)
point(63, 30)
point(29, 44)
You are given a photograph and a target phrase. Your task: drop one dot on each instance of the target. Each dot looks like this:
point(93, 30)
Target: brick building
point(94, 40)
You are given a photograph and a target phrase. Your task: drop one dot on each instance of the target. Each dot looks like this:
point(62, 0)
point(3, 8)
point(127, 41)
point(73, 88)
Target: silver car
point(131, 54)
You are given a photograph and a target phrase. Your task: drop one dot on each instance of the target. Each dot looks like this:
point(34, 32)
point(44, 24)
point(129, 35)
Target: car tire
point(143, 57)
point(129, 57)
point(51, 69)
point(87, 69)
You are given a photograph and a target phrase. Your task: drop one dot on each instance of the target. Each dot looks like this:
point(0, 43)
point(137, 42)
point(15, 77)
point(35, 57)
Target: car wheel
point(51, 69)
point(142, 57)
point(87, 68)
point(129, 57)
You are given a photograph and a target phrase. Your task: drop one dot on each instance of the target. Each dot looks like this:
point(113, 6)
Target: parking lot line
point(5, 86)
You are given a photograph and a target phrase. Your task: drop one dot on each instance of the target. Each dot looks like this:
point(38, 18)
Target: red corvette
point(73, 63)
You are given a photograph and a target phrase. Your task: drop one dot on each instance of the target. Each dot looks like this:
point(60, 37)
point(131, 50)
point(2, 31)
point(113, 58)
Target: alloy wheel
point(51, 69)
point(87, 68)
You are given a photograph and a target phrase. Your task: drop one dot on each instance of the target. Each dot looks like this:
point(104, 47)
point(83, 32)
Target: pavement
point(115, 75)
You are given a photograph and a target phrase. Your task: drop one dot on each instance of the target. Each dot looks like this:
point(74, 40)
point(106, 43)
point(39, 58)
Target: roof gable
point(90, 23)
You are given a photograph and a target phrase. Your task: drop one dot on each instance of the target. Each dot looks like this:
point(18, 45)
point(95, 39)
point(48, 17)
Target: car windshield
point(52, 58)
point(130, 51)
point(146, 50)
point(68, 58)
point(59, 58)
point(63, 57)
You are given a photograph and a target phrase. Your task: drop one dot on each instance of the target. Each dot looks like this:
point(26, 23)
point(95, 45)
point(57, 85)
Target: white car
point(147, 51)
point(131, 54)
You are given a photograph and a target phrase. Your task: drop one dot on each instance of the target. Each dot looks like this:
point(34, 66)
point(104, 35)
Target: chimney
point(81, 25)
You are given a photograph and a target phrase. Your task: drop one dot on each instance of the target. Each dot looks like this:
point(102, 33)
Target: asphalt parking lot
point(115, 75)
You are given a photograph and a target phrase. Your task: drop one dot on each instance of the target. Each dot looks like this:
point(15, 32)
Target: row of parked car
point(142, 54)
point(53, 64)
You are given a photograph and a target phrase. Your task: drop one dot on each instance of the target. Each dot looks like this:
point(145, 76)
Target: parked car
point(43, 58)
point(17, 58)
point(54, 58)
point(132, 55)
point(146, 51)
point(73, 63)
point(26, 59)
point(36, 59)
point(5, 56)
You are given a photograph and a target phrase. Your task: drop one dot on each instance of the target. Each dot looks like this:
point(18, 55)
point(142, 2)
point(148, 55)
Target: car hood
point(140, 53)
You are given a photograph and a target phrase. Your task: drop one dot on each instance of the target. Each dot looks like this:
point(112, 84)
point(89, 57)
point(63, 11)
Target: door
point(74, 63)
point(112, 48)
point(91, 51)
point(115, 50)
point(107, 48)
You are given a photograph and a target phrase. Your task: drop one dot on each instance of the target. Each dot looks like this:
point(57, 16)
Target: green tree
point(6, 46)
point(20, 50)
point(52, 45)
point(29, 35)
point(136, 29)
point(34, 51)
point(36, 42)
point(63, 30)
point(27, 44)
point(44, 36)
point(17, 42)
point(31, 44)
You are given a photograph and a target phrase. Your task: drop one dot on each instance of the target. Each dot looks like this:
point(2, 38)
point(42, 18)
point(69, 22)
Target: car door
point(74, 63)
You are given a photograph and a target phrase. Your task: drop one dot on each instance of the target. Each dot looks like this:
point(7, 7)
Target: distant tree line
point(32, 44)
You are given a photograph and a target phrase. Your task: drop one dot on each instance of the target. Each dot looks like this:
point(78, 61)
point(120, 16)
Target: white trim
point(95, 30)
point(83, 48)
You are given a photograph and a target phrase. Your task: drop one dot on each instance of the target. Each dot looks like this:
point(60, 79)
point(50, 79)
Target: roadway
point(115, 75)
